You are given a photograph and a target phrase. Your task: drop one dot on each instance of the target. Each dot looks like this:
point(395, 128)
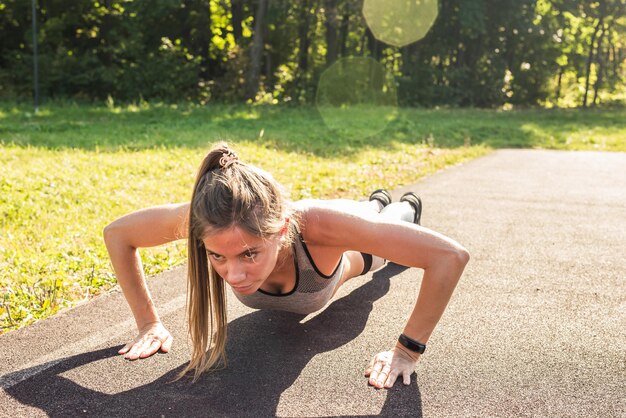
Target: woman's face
point(245, 261)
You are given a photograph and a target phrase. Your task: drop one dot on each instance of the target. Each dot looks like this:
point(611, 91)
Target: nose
point(235, 274)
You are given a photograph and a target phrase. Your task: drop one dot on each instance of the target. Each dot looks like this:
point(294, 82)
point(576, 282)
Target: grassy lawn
point(70, 169)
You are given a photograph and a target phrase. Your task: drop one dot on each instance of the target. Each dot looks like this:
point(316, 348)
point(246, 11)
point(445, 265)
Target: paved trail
point(536, 327)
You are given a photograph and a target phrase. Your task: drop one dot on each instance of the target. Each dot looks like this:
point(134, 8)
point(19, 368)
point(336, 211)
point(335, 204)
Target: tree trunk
point(256, 53)
point(409, 59)
point(303, 35)
point(373, 45)
point(269, 71)
point(330, 12)
point(612, 62)
point(343, 34)
point(236, 10)
point(196, 32)
point(558, 84)
point(613, 59)
point(205, 33)
point(599, 59)
point(590, 59)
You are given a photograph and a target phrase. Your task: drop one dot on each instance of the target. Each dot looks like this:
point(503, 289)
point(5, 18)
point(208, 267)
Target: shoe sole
point(382, 196)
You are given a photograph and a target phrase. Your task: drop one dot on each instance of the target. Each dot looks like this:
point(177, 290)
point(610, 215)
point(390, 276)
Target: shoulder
point(349, 225)
point(326, 222)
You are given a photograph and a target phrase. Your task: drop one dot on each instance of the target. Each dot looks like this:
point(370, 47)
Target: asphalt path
point(536, 327)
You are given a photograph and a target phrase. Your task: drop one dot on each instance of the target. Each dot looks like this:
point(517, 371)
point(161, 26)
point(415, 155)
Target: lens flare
point(356, 97)
point(400, 22)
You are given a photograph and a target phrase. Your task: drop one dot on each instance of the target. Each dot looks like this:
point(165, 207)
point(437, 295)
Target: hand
point(385, 368)
point(151, 338)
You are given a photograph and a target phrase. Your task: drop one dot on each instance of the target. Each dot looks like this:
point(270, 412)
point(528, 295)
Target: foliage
point(486, 53)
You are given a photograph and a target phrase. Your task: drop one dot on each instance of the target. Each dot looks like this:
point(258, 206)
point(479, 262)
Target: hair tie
point(227, 159)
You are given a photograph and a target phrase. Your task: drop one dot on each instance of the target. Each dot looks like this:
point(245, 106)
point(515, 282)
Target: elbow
point(110, 233)
point(462, 257)
point(456, 260)
point(115, 238)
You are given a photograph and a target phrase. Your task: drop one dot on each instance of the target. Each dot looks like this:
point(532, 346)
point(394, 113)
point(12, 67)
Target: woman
point(276, 254)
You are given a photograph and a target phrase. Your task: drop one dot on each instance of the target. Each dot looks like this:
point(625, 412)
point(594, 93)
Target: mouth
point(242, 289)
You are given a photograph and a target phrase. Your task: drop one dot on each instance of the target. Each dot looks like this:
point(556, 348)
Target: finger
point(382, 376)
point(378, 366)
point(167, 345)
point(391, 379)
point(136, 351)
point(406, 378)
point(132, 353)
point(152, 348)
point(138, 348)
point(373, 378)
point(124, 349)
point(369, 370)
point(372, 361)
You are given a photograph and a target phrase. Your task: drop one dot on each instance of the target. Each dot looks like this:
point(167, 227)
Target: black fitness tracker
point(411, 344)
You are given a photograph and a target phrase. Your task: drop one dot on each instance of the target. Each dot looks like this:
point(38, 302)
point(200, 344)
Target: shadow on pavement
point(267, 352)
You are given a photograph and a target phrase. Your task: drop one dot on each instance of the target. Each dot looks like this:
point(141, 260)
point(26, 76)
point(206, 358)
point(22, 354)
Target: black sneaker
point(415, 201)
point(382, 196)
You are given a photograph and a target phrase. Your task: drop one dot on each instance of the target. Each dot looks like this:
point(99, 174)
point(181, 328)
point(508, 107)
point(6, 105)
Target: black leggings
point(397, 210)
point(367, 263)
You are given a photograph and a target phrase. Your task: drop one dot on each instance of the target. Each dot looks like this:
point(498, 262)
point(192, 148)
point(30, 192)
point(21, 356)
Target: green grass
point(70, 169)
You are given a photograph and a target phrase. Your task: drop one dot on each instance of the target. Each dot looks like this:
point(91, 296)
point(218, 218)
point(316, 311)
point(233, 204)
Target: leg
point(399, 211)
point(362, 263)
point(403, 210)
point(371, 206)
point(381, 196)
point(358, 264)
point(354, 265)
point(370, 262)
point(374, 205)
point(408, 209)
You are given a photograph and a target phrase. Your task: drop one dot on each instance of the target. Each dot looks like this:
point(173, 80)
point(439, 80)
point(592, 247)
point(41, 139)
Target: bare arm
point(442, 259)
point(144, 228)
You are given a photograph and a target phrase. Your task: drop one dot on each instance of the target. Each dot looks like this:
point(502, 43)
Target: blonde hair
point(227, 193)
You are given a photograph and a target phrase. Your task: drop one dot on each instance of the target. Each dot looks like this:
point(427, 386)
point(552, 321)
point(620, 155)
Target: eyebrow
point(247, 251)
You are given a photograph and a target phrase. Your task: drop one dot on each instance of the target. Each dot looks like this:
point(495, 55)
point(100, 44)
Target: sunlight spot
point(356, 97)
point(400, 22)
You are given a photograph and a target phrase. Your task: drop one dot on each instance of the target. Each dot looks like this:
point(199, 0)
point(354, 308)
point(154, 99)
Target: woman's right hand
point(151, 338)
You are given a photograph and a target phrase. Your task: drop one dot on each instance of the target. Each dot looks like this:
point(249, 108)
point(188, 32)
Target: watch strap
point(411, 344)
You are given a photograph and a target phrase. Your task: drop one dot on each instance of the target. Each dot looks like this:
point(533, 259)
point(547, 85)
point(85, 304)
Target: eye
point(216, 257)
point(250, 255)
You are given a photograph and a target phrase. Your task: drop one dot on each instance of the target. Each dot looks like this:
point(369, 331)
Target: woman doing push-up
point(282, 255)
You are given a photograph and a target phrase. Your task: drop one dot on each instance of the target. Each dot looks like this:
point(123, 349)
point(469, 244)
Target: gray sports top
point(312, 291)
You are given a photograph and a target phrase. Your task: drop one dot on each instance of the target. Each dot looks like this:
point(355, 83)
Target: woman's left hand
point(387, 366)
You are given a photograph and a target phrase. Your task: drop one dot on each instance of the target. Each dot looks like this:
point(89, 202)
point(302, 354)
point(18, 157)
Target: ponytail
point(206, 296)
point(226, 192)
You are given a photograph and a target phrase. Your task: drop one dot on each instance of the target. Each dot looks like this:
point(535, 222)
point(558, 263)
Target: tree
point(478, 52)
point(332, 26)
point(256, 51)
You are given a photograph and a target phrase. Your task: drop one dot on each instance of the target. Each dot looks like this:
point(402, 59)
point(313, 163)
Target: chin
point(248, 290)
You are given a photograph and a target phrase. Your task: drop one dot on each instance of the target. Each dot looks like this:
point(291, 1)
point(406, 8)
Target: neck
point(282, 278)
point(284, 256)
